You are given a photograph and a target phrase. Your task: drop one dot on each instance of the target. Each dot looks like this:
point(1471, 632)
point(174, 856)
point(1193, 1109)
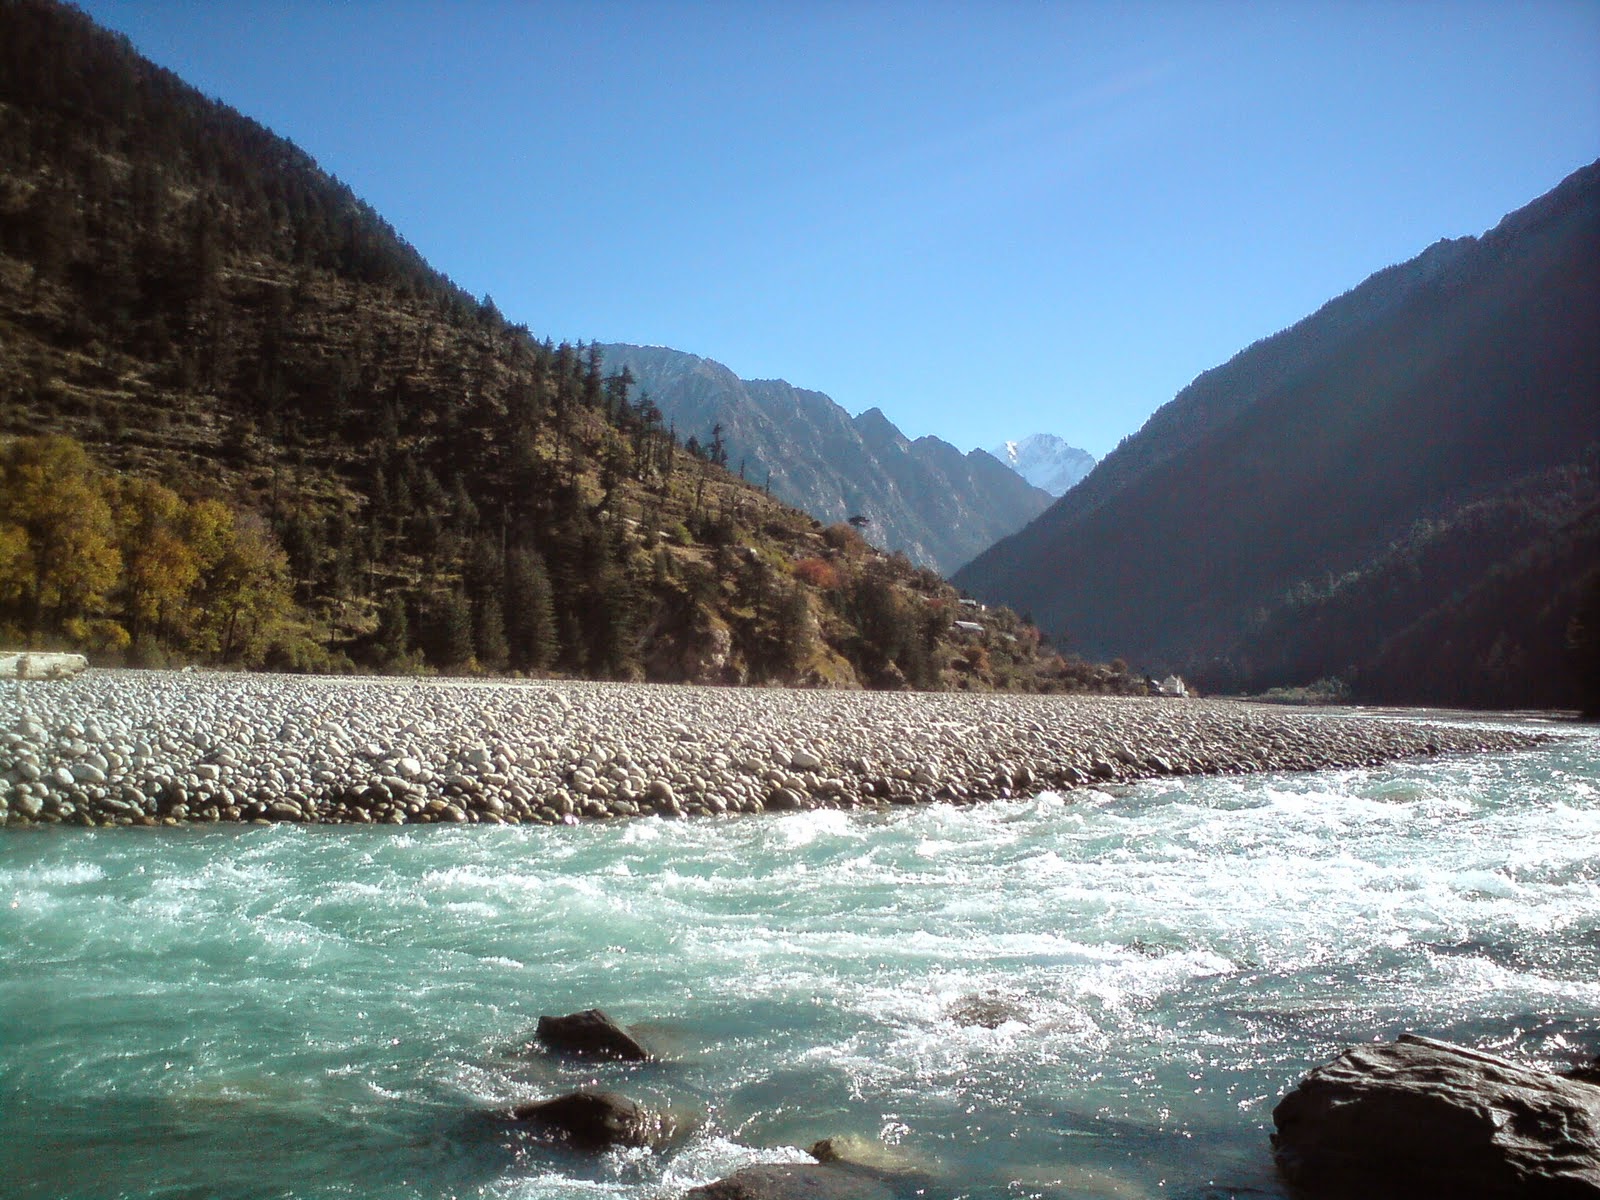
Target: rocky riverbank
point(145, 748)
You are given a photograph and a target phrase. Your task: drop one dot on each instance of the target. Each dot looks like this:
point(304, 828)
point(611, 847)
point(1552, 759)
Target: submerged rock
point(987, 1010)
point(789, 1181)
point(597, 1120)
point(1419, 1117)
point(592, 1034)
point(867, 1154)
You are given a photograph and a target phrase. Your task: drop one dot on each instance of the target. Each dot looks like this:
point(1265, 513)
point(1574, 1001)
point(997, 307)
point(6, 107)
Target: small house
point(1172, 685)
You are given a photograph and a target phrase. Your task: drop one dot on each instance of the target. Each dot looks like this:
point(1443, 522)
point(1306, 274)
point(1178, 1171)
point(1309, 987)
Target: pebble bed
point(167, 748)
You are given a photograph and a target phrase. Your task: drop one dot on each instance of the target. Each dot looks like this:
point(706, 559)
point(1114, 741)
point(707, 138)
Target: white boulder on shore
point(149, 747)
point(40, 664)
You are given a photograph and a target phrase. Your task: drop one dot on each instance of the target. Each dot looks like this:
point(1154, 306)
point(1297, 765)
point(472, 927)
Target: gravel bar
point(167, 748)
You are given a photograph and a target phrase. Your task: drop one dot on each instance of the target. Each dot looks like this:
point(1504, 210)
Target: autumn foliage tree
point(104, 562)
point(63, 562)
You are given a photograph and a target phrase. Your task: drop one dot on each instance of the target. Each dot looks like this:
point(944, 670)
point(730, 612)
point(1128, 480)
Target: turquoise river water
point(338, 1012)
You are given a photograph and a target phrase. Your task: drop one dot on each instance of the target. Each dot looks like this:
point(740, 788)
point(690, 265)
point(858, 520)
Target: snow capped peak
point(1046, 461)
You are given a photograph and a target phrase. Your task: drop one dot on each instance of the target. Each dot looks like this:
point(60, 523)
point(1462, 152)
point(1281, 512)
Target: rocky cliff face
point(923, 497)
point(1046, 461)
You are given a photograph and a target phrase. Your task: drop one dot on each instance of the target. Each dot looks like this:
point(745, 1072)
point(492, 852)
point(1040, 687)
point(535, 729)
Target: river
point(293, 1011)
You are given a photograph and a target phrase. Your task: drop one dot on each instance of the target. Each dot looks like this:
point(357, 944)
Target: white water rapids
point(297, 1012)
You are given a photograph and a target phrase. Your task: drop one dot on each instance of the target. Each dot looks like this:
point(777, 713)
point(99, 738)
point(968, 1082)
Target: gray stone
point(1418, 1117)
point(276, 739)
point(866, 1154)
point(784, 800)
point(793, 1181)
point(592, 1034)
point(592, 1120)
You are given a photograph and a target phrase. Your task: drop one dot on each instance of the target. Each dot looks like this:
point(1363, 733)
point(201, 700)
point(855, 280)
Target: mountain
point(924, 498)
point(242, 421)
point(1396, 490)
point(1046, 461)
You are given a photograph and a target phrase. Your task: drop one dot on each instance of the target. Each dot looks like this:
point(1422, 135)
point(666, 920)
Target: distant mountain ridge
point(923, 496)
point(1046, 461)
point(1342, 464)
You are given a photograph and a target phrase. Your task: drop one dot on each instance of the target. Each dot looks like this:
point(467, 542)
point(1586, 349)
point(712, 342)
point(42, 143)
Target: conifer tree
point(449, 645)
point(489, 632)
point(529, 615)
point(392, 641)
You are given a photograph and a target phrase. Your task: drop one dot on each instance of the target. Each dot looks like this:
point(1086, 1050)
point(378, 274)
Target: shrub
point(841, 537)
point(817, 572)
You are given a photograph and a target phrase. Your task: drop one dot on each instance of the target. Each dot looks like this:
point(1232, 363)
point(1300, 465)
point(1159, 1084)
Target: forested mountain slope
point(1460, 387)
point(219, 367)
point(923, 498)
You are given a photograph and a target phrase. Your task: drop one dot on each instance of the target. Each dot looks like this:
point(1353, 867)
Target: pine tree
point(529, 615)
point(449, 644)
point(489, 633)
point(392, 642)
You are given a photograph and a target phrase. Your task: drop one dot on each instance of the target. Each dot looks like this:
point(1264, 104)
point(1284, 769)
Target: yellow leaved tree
point(160, 565)
point(59, 562)
point(244, 591)
point(103, 561)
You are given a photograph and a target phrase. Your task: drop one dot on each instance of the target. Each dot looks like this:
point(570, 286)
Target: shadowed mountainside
point(1458, 390)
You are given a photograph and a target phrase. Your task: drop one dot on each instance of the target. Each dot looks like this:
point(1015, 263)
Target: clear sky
point(987, 219)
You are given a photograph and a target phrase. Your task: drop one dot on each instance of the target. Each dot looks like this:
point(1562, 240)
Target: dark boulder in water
point(789, 1181)
point(988, 1010)
point(592, 1034)
point(593, 1120)
point(1418, 1117)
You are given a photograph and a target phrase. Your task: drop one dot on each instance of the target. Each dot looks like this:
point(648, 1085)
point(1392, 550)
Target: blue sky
point(986, 219)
